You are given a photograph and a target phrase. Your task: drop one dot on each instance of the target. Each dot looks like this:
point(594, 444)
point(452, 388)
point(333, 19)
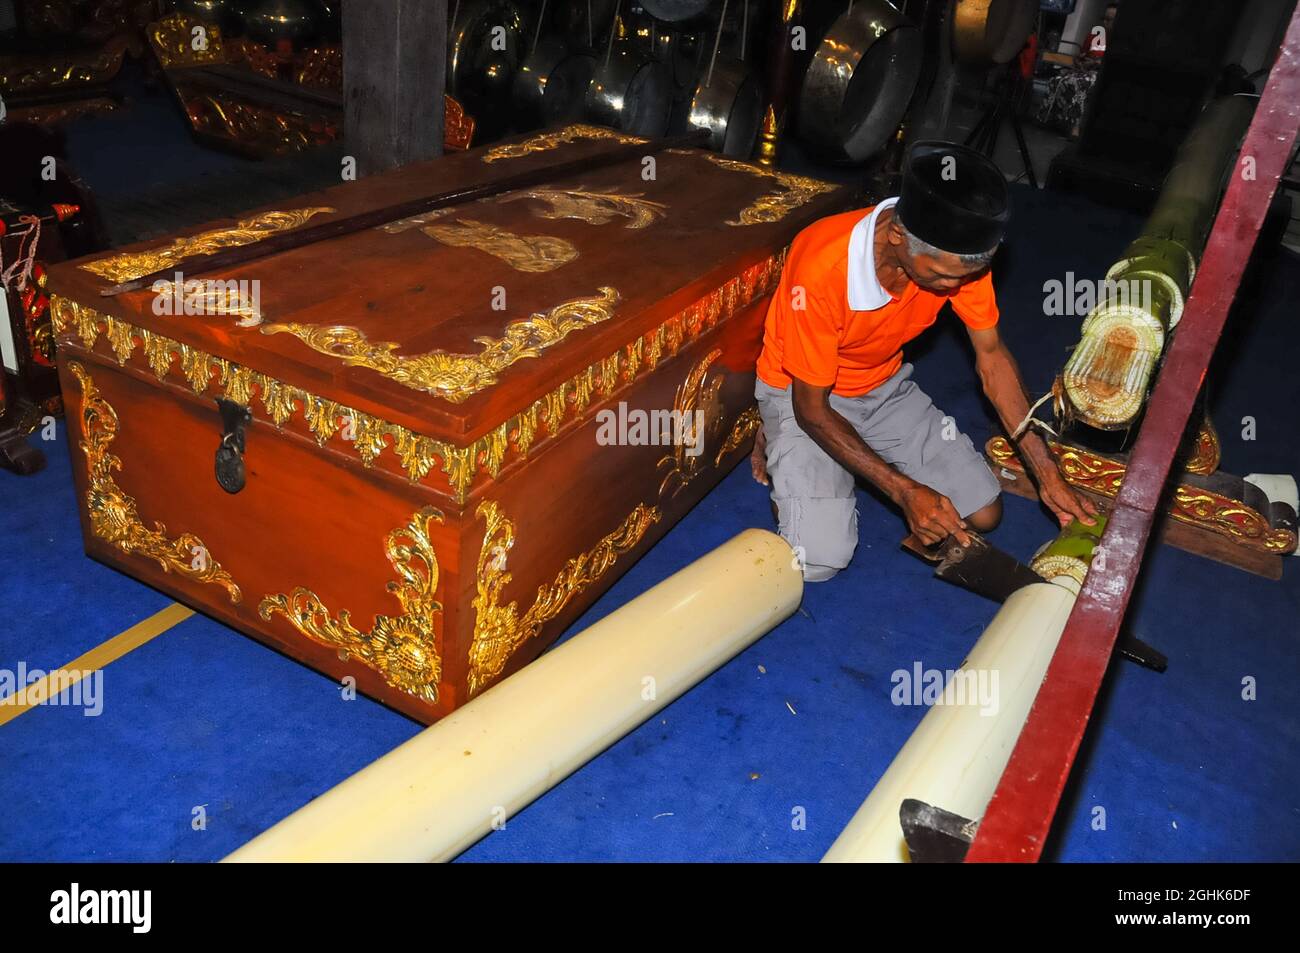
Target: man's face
point(943, 273)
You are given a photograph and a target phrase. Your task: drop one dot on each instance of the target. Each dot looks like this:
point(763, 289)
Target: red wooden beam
point(1016, 824)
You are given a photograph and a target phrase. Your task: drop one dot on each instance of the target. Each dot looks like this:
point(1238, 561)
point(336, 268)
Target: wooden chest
point(461, 426)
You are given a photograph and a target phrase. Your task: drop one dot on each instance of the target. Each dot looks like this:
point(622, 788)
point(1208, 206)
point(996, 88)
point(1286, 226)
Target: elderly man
point(837, 401)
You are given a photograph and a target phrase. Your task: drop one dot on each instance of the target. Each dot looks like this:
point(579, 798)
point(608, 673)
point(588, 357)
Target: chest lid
point(450, 322)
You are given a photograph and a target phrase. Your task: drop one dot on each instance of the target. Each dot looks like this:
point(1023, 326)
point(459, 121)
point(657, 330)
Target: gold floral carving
point(420, 455)
point(456, 377)
point(595, 208)
point(130, 265)
point(1198, 507)
point(746, 426)
point(500, 629)
point(403, 649)
point(554, 139)
point(37, 73)
point(174, 42)
point(320, 66)
point(113, 514)
point(457, 125)
point(257, 128)
point(697, 415)
point(213, 297)
point(528, 253)
point(255, 57)
point(793, 191)
point(1205, 454)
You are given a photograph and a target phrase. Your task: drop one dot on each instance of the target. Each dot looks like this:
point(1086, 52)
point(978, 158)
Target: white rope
point(744, 29)
point(613, 28)
point(717, 40)
point(1031, 419)
point(537, 34)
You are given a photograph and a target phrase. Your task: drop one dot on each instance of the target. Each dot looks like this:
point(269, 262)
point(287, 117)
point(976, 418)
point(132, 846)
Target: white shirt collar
point(865, 292)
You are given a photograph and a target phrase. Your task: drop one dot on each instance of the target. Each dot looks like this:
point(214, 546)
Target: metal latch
point(230, 455)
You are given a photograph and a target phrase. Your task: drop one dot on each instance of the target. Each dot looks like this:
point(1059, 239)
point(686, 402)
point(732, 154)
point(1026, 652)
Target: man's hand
point(1063, 500)
point(931, 516)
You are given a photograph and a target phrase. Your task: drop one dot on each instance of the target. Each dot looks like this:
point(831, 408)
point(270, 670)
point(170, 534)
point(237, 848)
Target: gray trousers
point(817, 511)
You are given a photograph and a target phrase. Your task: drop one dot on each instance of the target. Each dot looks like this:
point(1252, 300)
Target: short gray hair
point(916, 246)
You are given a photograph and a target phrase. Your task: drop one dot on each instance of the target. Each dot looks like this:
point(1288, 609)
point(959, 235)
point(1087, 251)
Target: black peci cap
point(953, 198)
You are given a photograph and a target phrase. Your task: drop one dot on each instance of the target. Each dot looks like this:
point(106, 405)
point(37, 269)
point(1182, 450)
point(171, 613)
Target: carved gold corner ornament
point(1206, 452)
point(456, 377)
point(136, 264)
point(113, 514)
point(1193, 505)
point(457, 125)
point(595, 208)
point(554, 139)
point(697, 415)
point(746, 426)
point(528, 253)
point(420, 455)
point(403, 649)
point(500, 630)
point(793, 191)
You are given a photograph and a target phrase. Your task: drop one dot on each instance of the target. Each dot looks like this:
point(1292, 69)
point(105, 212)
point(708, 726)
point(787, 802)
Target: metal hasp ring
point(229, 464)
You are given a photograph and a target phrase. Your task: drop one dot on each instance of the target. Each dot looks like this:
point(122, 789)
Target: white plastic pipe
point(957, 754)
point(1279, 488)
point(459, 779)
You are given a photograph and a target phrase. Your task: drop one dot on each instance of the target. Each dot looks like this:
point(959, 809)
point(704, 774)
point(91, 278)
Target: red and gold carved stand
point(1205, 512)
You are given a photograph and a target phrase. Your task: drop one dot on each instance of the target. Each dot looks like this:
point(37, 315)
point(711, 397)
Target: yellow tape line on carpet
point(101, 655)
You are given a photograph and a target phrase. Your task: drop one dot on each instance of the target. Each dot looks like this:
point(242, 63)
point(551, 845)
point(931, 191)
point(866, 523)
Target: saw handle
point(944, 549)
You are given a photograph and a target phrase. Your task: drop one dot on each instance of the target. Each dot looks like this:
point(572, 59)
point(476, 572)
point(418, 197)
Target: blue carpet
point(204, 723)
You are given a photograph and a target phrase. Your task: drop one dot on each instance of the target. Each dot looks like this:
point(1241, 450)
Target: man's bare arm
point(930, 515)
point(1004, 388)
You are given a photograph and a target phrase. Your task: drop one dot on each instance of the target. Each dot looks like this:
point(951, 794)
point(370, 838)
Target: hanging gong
point(860, 81)
point(631, 91)
point(484, 51)
point(551, 85)
point(729, 104)
point(991, 31)
point(675, 11)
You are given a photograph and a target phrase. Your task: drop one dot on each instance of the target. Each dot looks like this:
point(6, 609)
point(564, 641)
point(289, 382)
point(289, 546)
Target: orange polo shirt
point(826, 342)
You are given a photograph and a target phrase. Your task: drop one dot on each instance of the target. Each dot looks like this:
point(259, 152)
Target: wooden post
point(780, 81)
point(394, 72)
